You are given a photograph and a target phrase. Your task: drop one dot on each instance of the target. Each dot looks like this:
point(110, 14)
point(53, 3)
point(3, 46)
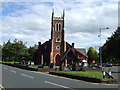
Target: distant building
point(57, 48)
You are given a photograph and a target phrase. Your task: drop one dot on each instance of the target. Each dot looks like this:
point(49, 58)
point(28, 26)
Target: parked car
point(108, 64)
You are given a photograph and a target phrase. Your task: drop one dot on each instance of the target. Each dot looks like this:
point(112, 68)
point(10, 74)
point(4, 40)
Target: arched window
point(57, 60)
point(59, 27)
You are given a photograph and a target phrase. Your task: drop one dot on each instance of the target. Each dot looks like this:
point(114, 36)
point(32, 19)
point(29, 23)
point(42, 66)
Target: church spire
point(63, 13)
point(52, 13)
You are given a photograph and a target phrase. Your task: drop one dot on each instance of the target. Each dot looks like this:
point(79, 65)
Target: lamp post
point(100, 46)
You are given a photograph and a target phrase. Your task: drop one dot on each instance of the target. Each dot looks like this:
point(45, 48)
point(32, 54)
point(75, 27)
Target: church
point(57, 49)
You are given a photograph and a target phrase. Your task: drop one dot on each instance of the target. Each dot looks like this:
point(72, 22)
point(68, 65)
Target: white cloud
point(59, 0)
point(82, 21)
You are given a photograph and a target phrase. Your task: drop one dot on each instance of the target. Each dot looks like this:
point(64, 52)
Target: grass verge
point(86, 74)
point(11, 62)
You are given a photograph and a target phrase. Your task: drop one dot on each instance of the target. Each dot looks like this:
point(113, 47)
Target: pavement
point(115, 71)
point(18, 78)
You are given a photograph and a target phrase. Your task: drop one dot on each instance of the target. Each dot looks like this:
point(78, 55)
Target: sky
point(30, 20)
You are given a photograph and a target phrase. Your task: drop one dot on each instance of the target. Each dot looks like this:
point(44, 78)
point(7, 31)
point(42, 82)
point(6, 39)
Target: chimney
point(72, 45)
point(39, 43)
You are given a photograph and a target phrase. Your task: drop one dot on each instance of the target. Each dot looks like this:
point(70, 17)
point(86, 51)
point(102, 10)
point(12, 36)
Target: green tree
point(0, 47)
point(31, 51)
point(0, 52)
point(92, 55)
point(110, 50)
point(6, 51)
point(15, 51)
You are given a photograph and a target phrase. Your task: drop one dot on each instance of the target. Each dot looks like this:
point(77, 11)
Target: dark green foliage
point(31, 51)
point(0, 47)
point(92, 55)
point(111, 48)
point(15, 51)
point(0, 52)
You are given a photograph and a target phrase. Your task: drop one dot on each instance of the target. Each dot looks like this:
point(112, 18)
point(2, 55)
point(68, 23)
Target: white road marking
point(68, 78)
point(56, 84)
point(13, 71)
point(5, 68)
point(26, 75)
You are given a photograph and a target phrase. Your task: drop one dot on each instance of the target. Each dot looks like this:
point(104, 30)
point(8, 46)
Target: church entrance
point(57, 59)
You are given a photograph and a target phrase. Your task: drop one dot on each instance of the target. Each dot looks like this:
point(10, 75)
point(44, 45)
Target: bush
point(51, 65)
point(42, 66)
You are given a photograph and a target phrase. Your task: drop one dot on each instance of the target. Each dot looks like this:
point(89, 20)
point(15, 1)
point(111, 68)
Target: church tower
point(57, 38)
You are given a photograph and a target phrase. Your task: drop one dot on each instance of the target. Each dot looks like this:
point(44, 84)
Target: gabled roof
point(82, 50)
point(37, 46)
point(69, 51)
point(72, 51)
point(81, 53)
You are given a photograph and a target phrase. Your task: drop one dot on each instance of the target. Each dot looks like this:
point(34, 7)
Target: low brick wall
point(88, 79)
point(46, 69)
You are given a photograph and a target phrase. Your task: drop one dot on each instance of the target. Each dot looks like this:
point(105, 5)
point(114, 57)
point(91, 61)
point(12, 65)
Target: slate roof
point(82, 50)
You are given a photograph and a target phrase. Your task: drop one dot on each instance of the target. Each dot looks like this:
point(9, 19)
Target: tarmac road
point(18, 78)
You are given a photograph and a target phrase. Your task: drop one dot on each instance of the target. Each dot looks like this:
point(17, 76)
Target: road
point(18, 78)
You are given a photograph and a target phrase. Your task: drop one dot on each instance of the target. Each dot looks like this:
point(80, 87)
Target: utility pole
point(100, 49)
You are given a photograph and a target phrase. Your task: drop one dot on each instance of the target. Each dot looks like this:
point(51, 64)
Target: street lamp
point(100, 45)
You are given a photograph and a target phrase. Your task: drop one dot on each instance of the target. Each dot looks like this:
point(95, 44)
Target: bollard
point(104, 74)
point(109, 72)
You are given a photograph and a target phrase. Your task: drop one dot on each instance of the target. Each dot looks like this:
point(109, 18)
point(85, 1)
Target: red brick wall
point(54, 36)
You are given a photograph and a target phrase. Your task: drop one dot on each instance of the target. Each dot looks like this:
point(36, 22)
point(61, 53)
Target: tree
point(0, 52)
point(15, 51)
point(6, 51)
point(92, 55)
point(110, 50)
point(31, 51)
point(0, 47)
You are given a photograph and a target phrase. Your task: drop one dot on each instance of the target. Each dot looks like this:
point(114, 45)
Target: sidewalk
point(115, 70)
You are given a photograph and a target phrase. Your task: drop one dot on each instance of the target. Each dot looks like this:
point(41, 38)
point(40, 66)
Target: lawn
point(81, 73)
point(33, 66)
point(11, 62)
point(36, 66)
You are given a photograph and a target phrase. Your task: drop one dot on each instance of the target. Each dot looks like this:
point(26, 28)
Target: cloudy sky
point(30, 21)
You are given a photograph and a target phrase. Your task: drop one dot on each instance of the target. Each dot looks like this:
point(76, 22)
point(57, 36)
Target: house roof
point(82, 50)
point(72, 55)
